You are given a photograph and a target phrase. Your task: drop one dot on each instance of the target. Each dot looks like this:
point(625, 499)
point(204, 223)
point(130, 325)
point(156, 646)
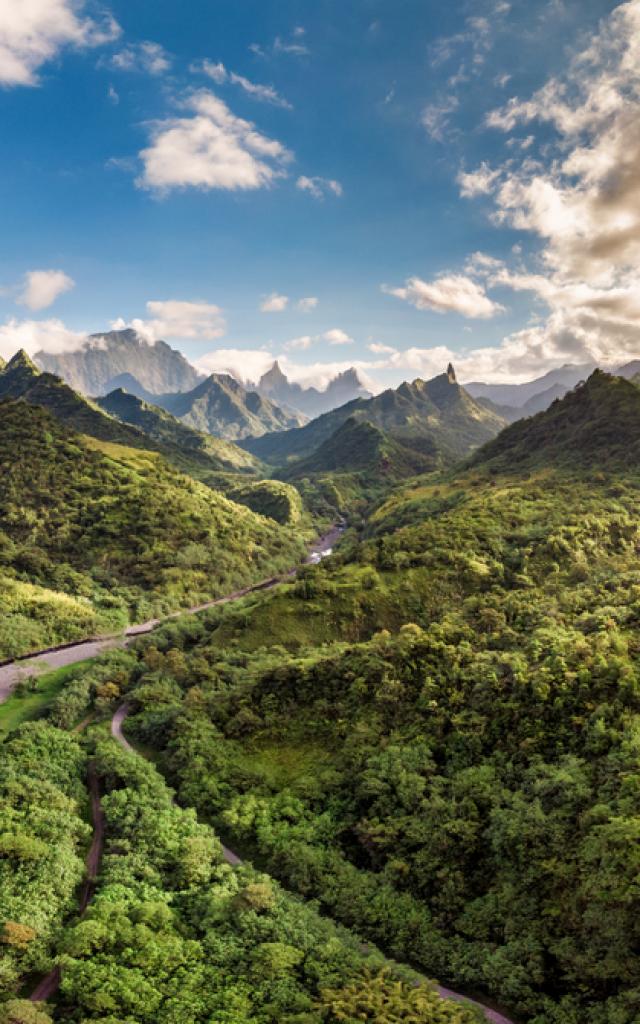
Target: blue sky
point(225, 161)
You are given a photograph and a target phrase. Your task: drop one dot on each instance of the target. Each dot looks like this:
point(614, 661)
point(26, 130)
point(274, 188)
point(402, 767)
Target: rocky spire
point(451, 373)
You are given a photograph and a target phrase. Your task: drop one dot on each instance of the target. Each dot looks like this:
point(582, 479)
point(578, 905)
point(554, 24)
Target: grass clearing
point(34, 704)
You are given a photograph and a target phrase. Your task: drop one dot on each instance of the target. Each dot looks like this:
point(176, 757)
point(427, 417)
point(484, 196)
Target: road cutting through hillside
point(323, 547)
point(40, 662)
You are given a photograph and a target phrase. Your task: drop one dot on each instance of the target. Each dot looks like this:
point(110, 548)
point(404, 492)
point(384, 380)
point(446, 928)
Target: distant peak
point(451, 373)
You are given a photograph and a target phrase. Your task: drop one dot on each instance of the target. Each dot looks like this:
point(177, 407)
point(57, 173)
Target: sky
point(388, 184)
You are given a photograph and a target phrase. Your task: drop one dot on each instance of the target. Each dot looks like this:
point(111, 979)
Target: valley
point(413, 733)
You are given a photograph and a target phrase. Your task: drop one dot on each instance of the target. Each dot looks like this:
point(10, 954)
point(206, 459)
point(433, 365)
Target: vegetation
point(222, 407)
point(436, 418)
point(456, 781)
point(164, 428)
point(123, 419)
point(118, 529)
point(430, 738)
point(42, 836)
point(269, 498)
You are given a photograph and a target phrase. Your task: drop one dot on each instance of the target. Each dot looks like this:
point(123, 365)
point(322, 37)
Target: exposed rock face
point(346, 386)
point(103, 357)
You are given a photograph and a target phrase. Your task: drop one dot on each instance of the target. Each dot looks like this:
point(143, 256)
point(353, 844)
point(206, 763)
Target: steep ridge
point(143, 428)
point(424, 415)
point(92, 535)
point(359, 446)
point(223, 407)
point(164, 428)
point(596, 424)
point(158, 367)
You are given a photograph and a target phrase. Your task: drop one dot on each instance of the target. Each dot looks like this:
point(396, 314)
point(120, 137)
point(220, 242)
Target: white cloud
point(274, 303)
point(479, 182)
point(453, 293)
point(581, 200)
point(41, 288)
point(308, 304)
point(298, 343)
point(262, 93)
point(211, 149)
point(319, 187)
point(150, 58)
point(33, 32)
point(380, 350)
point(113, 95)
point(174, 319)
point(36, 335)
point(336, 336)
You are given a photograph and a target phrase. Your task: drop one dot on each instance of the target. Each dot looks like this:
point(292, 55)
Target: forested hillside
point(454, 781)
point(94, 535)
point(435, 417)
point(125, 420)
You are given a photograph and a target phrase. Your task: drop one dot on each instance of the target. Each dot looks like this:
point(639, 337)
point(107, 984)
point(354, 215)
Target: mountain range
point(125, 359)
point(343, 388)
point(437, 417)
point(103, 357)
point(122, 419)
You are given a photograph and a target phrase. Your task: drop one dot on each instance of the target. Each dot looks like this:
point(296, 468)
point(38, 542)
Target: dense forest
point(426, 745)
point(94, 535)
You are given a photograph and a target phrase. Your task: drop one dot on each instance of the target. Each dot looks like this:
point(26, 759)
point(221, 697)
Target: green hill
point(222, 407)
point(124, 420)
point(164, 428)
point(358, 446)
point(436, 417)
point(117, 529)
point(595, 425)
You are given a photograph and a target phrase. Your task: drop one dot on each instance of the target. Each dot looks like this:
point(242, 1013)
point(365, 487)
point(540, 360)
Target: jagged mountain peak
point(21, 361)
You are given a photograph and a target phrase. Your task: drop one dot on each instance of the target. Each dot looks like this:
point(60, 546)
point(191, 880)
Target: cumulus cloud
point(379, 349)
point(308, 304)
point(319, 187)
point(38, 335)
point(175, 319)
point(581, 201)
point(41, 288)
point(210, 149)
point(33, 32)
point(150, 58)
point(452, 293)
point(274, 303)
point(336, 336)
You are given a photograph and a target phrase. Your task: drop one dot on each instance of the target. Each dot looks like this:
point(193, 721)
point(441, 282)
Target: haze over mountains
point(436, 417)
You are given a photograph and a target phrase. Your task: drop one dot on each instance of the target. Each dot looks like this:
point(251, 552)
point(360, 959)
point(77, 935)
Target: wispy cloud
point(319, 187)
point(221, 76)
point(147, 57)
point(294, 45)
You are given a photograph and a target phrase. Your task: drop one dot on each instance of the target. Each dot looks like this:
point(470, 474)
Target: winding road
point(39, 662)
point(45, 661)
